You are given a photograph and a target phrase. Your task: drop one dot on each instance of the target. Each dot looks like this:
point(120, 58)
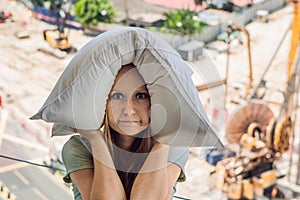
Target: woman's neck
point(124, 141)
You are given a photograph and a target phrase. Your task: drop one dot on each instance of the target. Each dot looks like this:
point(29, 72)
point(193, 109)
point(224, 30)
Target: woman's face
point(128, 103)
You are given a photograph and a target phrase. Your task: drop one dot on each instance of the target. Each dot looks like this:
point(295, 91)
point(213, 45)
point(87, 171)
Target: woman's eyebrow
point(142, 87)
point(141, 90)
point(115, 90)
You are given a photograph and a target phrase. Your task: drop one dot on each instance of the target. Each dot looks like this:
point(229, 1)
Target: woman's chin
point(132, 130)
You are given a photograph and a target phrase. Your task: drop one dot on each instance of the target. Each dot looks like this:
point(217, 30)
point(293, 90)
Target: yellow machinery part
point(248, 141)
point(295, 40)
point(270, 132)
point(57, 39)
point(282, 135)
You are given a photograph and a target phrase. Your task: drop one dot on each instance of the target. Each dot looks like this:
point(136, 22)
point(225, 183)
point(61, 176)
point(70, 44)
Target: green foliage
point(90, 12)
point(184, 21)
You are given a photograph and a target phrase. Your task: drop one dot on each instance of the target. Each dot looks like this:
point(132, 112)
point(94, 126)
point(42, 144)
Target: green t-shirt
point(76, 156)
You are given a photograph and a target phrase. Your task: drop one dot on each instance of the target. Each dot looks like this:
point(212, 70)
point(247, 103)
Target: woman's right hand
point(104, 174)
point(98, 146)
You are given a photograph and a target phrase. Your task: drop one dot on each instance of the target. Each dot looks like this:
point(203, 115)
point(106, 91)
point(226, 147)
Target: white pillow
point(79, 97)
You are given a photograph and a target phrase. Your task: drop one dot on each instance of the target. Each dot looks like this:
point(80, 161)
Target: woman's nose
point(129, 108)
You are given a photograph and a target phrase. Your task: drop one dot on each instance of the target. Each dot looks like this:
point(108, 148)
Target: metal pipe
point(229, 31)
point(254, 91)
point(249, 86)
point(244, 30)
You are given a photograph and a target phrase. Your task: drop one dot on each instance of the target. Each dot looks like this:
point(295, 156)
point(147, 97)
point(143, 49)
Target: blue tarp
point(52, 17)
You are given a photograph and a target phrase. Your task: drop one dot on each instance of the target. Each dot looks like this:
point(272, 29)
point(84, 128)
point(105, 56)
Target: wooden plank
point(210, 85)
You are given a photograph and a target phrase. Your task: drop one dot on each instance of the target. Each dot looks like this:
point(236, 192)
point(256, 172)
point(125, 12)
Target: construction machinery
point(58, 38)
point(259, 138)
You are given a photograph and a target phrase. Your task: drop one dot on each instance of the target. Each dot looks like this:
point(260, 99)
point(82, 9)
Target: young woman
point(122, 161)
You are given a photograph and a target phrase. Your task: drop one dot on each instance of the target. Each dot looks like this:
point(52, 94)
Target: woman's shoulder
point(179, 156)
point(178, 153)
point(76, 145)
point(75, 156)
point(73, 141)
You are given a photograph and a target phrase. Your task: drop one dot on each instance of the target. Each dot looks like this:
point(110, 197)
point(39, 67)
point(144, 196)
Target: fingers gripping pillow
point(79, 97)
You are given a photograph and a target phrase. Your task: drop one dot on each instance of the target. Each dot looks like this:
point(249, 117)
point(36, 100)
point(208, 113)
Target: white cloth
point(79, 97)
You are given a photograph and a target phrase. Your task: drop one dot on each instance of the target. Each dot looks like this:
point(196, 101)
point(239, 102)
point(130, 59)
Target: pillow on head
point(78, 99)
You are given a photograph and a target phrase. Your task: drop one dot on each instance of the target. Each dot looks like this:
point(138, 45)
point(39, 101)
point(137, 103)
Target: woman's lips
point(129, 122)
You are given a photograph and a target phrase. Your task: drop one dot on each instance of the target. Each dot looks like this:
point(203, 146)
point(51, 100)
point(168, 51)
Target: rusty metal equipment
point(282, 135)
point(255, 116)
point(250, 172)
point(262, 139)
point(259, 138)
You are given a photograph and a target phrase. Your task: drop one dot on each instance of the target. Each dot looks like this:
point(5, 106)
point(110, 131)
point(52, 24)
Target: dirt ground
point(27, 75)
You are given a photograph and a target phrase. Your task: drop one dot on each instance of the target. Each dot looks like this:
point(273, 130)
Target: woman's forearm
point(152, 182)
point(106, 182)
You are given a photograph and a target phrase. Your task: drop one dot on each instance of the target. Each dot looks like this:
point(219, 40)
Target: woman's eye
point(117, 96)
point(142, 95)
